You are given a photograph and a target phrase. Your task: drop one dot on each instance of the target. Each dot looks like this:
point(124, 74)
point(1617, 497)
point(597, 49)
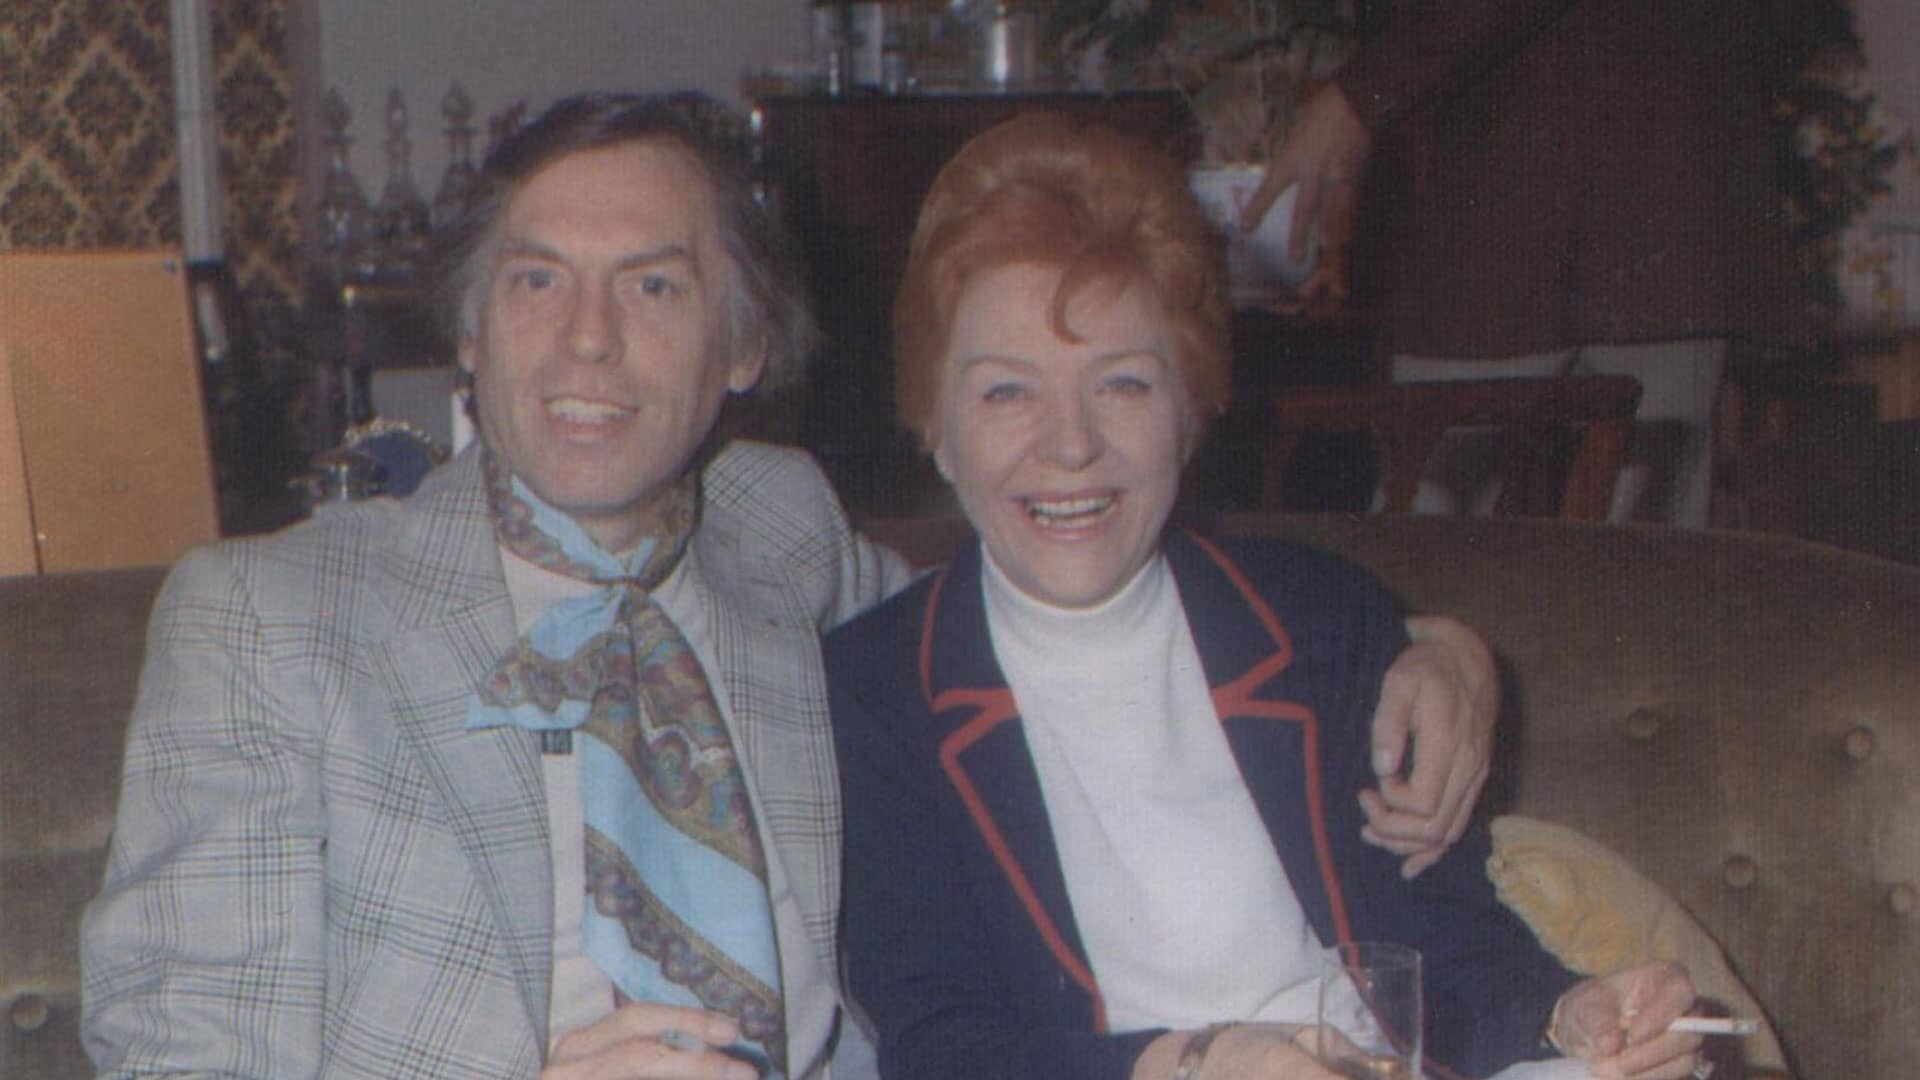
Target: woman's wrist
point(1551, 1037)
point(1194, 1054)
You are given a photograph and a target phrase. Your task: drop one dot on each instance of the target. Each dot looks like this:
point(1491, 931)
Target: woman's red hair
point(1105, 208)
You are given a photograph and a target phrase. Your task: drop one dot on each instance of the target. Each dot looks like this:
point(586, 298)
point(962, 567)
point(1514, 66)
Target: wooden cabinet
point(848, 175)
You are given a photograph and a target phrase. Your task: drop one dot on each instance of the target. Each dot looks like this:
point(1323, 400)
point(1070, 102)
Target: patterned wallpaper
point(87, 156)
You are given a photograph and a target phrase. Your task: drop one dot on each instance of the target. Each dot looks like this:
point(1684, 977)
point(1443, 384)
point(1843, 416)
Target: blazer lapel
point(767, 649)
point(983, 750)
point(1246, 652)
point(453, 623)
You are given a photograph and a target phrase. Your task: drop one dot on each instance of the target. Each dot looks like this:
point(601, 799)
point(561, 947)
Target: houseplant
point(1243, 65)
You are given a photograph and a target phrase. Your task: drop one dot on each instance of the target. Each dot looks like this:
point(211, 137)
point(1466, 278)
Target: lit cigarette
point(1715, 1025)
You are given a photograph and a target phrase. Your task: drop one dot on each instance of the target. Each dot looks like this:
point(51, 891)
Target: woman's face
point(1066, 456)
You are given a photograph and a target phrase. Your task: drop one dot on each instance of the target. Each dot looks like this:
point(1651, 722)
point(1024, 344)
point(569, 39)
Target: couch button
point(1739, 871)
point(28, 1012)
point(1642, 725)
point(1860, 743)
point(1902, 899)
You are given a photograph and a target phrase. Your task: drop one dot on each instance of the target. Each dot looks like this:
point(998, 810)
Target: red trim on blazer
point(1236, 699)
point(995, 708)
point(926, 637)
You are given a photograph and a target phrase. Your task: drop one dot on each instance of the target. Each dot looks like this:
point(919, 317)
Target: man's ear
point(748, 366)
point(464, 353)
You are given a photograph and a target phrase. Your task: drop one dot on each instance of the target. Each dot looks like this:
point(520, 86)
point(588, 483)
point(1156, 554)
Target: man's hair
point(1107, 209)
point(768, 302)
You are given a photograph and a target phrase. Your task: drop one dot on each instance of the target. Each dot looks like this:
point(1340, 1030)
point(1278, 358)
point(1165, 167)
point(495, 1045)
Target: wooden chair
point(1565, 436)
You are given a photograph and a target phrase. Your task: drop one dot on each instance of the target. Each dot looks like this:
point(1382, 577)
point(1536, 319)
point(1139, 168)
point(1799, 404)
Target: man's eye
point(657, 285)
point(1003, 392)
point(1128, 385)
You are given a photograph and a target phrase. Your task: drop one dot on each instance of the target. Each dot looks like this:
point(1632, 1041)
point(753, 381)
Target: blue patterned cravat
point(680, 910)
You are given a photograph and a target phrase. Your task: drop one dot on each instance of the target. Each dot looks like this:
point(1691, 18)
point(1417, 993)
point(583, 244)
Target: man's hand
point(650, 1042)
point(1324, 155)
point(1442, 696)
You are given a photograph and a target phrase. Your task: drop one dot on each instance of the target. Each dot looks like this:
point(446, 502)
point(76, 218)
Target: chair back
point(1565, 436)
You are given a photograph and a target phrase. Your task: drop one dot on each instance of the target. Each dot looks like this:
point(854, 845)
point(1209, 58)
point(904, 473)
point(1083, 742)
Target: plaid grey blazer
point(318, 871)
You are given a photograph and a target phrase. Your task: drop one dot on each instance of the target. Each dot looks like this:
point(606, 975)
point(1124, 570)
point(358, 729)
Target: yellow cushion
point(1595, 913)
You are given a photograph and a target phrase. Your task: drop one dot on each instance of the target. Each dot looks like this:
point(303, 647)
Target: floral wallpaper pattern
point(87, 143)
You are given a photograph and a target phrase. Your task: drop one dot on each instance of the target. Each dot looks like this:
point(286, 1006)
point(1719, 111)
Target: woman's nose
point(1072, 435)
point(593, 331)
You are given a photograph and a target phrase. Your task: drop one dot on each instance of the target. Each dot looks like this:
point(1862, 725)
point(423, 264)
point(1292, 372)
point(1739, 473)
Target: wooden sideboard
point(847, 175)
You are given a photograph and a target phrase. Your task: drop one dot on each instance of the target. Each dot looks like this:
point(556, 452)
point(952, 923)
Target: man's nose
point(593, 330)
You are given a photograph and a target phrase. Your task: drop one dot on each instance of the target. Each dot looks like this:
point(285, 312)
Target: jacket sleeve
point(204, 951)
point(779, 502)
point(1490, 987)
point(920, 956)
point(1429, 48)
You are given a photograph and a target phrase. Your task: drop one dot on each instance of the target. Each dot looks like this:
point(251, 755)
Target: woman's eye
point(532, 279)
point(1003, 392)
point(1129, 385)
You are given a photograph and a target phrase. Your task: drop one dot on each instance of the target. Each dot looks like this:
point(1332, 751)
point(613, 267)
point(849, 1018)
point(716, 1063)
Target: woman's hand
point(1618, 1023)
point(1441, 694)
point(1250, 1051)
point(650, 1042)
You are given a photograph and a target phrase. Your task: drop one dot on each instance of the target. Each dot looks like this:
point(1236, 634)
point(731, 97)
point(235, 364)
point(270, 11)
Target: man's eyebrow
point(653, 257)
point(534, 249)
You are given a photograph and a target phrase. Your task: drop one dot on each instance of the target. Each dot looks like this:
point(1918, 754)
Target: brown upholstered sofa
point(1739, 715)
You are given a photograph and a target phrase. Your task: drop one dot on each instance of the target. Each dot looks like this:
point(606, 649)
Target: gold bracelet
point(1194, 1053)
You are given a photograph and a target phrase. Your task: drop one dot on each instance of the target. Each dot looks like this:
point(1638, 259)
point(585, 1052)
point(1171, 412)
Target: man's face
point(602, 354)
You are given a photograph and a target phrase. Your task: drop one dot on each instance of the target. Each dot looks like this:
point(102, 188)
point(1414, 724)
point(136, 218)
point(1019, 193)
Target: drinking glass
point(1370, 1011)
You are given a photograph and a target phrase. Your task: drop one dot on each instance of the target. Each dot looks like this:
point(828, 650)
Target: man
point(383, 767)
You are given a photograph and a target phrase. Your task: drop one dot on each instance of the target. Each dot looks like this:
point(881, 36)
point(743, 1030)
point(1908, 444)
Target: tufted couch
point(1737, 714)
point(70, 647)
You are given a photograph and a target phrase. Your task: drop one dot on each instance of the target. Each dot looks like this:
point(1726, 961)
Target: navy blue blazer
point(957, 928)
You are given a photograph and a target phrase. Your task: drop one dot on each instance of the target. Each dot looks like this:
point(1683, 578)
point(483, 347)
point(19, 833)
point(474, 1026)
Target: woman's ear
point(1199, 417)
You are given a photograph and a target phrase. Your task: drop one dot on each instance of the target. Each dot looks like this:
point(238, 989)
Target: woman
point(1101, 786)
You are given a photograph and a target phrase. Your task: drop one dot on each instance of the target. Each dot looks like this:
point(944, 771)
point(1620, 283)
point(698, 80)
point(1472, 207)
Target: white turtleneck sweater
point(1181, 902)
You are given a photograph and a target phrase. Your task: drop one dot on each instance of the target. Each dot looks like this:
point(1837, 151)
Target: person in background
point(530, 773)
point(1582, 186)
point(1100, 777)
